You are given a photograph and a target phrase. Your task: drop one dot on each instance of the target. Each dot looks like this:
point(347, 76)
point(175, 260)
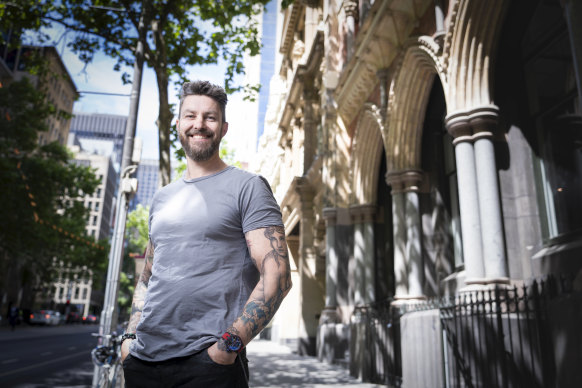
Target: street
point(44, 356)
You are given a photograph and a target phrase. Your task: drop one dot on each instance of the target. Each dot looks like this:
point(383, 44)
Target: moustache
point(198, 132)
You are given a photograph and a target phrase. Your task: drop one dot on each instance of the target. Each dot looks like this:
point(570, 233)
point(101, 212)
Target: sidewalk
point(274, 365)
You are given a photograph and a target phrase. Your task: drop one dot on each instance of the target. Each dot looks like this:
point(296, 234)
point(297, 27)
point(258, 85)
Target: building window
point(553, 103)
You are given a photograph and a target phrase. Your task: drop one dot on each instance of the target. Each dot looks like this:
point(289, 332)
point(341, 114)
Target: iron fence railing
point(499, 337)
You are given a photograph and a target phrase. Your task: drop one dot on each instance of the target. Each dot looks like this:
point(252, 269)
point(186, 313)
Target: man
point(213, 276)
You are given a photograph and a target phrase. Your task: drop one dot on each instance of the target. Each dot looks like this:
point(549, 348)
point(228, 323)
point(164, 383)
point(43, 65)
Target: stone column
point(399, 235)
point(363, 216)
point(458, 126)
point(310, 99)
point(484, 123)
point(573, 13)
point(311, 294)
point(351, 11)
point(412, 181)
point(331, 266)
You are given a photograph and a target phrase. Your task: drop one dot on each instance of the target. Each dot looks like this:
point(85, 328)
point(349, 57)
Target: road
point(35, 357)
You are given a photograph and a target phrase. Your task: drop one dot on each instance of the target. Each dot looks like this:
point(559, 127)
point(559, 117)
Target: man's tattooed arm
point(140, 289)
point(268, 250)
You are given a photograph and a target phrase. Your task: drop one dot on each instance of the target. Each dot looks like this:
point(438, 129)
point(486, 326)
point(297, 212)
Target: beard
point(200, 153)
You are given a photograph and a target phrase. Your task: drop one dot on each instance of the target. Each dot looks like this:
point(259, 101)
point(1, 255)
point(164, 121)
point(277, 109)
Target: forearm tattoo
point(141, 289)
point(273, 286)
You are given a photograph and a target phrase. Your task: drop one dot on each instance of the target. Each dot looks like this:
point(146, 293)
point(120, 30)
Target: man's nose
point(198, 122)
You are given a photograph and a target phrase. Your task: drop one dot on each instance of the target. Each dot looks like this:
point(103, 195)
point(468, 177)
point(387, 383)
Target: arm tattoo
point(141, 289)
point(273, 286)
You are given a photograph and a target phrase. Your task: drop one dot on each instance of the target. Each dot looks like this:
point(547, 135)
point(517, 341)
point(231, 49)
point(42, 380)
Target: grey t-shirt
point(202, 274)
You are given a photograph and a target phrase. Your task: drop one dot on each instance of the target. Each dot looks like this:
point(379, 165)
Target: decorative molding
point(409, 94)
point(366, 154)
point(289, 26)
point(377, 45)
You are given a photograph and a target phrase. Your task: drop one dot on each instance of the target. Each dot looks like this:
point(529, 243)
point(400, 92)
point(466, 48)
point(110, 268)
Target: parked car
point(73, 317)
point(45, 317)
point(90, 319)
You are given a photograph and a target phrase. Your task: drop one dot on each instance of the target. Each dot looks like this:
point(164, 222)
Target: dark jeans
point(197, 370)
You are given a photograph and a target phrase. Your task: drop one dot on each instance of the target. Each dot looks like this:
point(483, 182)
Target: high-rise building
point(147, 183)
point(100, 203)
point(268, 51)
point(101, 134)
point(57, 84)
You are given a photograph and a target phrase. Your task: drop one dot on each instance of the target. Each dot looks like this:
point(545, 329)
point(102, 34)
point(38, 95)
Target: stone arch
point(366, 155)
point(469, 49)
point(409, 93)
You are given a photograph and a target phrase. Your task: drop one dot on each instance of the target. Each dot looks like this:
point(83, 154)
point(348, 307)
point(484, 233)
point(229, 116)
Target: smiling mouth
point(199, 136)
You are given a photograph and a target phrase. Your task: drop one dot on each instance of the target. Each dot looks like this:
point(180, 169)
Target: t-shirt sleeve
point(258, 206)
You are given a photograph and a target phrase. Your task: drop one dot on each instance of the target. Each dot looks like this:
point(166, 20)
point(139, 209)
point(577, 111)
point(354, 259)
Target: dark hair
point(204, 88)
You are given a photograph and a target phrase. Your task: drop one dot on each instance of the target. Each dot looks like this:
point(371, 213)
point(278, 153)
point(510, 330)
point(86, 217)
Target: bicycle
point(107, 359)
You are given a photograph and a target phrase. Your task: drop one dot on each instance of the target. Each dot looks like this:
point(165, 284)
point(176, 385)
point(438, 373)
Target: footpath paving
point(274, 365)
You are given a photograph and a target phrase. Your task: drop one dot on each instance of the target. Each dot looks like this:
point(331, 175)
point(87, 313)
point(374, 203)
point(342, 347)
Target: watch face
point(233, 342)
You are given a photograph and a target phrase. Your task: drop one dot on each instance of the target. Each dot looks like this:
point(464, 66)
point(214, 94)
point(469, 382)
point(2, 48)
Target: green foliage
point(136, 234)
point(286, 3)
point(40, 222)
point(136, 230)
point(176, 34)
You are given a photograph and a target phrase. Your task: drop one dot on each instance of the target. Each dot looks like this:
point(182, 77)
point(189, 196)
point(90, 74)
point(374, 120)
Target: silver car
point(45, 317)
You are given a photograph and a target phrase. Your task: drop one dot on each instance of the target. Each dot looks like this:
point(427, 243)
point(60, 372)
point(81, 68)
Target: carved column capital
point(351, 8)
point(363, 213)
point(305, 191)
point(484, 122)
point(478, 123)
point(330, 216)
point(407, 181)
point(459, 127)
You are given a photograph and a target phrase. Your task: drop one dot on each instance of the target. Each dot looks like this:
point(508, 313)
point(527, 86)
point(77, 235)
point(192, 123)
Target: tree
point(176, 34)
point(40, 218)
point(136, 235)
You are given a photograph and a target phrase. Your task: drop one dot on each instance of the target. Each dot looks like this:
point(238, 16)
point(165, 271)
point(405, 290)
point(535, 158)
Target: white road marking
point(10, 361)
point(46, 354)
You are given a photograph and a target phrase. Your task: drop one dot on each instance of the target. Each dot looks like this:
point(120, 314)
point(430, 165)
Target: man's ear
point(224, 128)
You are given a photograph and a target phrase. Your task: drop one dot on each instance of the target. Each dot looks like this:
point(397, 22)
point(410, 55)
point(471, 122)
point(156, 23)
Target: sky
point(99, 76)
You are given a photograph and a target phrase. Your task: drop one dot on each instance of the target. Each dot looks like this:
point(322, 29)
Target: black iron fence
point(375, 354)
point(500, 337)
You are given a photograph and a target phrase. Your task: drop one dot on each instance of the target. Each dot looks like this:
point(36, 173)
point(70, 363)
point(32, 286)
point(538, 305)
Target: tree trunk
point(164, 123)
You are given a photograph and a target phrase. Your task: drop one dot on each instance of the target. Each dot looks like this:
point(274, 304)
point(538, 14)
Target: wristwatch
point(127, 336)
point(233, 342)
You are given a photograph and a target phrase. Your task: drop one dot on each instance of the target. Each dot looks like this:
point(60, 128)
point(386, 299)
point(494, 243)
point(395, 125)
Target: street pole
point(108, 320)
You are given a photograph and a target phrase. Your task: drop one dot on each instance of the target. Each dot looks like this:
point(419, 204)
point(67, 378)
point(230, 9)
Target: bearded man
point(216, 266)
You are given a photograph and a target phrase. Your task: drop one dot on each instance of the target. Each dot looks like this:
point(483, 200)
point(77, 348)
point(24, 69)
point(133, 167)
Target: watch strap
point(127, 336)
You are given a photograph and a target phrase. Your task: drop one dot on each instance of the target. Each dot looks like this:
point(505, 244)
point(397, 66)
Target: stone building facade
point(421, 149)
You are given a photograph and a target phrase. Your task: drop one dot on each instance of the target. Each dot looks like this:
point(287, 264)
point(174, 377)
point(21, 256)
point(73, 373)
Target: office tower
point(147, 183)
point(57, 84)
point(101, 134)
